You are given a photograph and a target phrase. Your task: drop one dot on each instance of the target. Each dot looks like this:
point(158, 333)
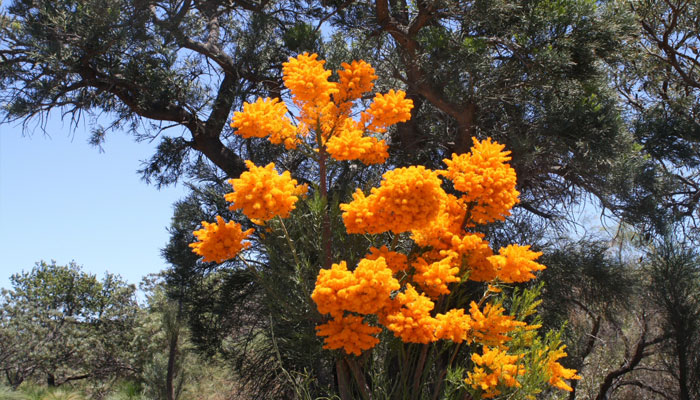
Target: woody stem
point(326, 224)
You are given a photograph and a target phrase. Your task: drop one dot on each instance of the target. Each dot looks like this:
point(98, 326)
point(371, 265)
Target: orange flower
point(350, 144)
point(474, 252)
point(557, 372)
point(328, 284)
point(348, 333)
point(447, 223)
point(516, 263)
point(373, 288)
point(220, 241)
point(486, 180)
point(308, 81)
point(356, 79)
point(491, 327)
point(412, 322)
point(364, 290)
point(263, 194)
point(263, 118)
point(492, 368)
point(395, 261)
point(386, 110)
point(408, 198)
point(434, 277)
point(453, 325)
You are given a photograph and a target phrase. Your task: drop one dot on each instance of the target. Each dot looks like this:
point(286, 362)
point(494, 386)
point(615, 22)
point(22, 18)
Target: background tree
point(61, 324)
point(674, 285)
point(659, 81)
point(161, 347)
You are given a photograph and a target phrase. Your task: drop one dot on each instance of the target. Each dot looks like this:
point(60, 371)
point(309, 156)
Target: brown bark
point(327, 232)
point(172, 357)
point(359, 376)
point(205, 135)
point(418, 80)
point(632, 360)
point(343, 375)
point(592, 337)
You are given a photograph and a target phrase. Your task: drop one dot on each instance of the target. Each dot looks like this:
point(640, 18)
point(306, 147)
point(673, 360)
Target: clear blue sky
point(62, 199)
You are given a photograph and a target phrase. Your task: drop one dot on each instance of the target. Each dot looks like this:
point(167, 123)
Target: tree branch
point(464, 113)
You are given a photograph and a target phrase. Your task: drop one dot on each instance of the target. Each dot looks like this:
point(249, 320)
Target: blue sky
point(62, 199)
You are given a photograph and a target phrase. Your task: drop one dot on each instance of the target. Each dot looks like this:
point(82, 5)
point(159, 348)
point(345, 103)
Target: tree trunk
point(50, 380)
point(343, 375)
point(172, 357)
point(173, 332)
point(681, 349)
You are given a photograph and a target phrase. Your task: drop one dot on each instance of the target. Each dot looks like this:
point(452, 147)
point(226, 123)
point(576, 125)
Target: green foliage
point(36, 392)
point(126, 390)
point(674, 285)
point(660, 83)
point(61, 324)
point(302, 37)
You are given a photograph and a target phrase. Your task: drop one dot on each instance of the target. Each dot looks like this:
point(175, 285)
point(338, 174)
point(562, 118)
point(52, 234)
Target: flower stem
point(326, 223)
point(359, 378)
point(341, 370)
point(419, 371)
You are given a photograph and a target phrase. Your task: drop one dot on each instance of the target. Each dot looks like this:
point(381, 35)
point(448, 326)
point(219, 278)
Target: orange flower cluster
point(474, 251)
point(492, 369)
point(401, 291)
point(516, 263)
point(325, 109)
point(262, 193)
point(408, 198)
point(395, 261)
point(488, 186)
point(348, 333)
point(366, 290)
point(486, 180)
point(447, 223)
point(411, 199)
point(412, 322)
point(434, 277)
point(491, 326)
point(350, 144)
point(557, 372)
point(356, 79)
point(308, 81)
point(454, 325)
point(386, 110)
point(329, 283)
point(220, 241)
point(263, 118)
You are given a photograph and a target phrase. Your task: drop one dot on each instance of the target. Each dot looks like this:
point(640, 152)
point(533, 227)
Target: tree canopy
point(532, 75)
point(61, 324)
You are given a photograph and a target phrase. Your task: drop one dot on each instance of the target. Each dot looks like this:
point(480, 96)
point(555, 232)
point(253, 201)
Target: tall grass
point(35, 392)
point(127, 390)
point(9, 394)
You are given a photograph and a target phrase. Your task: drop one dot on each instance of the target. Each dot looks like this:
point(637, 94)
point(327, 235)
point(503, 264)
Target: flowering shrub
point(409, 295)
